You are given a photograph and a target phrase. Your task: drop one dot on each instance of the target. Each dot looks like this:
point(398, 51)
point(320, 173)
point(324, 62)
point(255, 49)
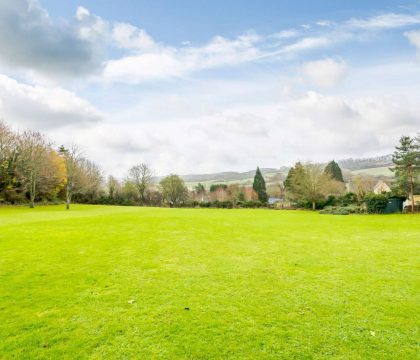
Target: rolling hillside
point(376, 166)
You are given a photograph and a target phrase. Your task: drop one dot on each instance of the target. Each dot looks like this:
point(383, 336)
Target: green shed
point(395, 205)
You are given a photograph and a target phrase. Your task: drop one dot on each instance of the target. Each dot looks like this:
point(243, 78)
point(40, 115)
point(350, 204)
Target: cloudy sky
point(193, 86)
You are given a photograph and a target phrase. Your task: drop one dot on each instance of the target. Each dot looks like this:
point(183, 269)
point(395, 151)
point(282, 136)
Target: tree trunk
point(32, 200)
point(313, 205)
point(68, 196)
point(32, 195)
point(412, 191)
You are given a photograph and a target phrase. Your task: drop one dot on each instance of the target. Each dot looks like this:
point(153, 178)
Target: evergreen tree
point(294, 175)
point(259, 186)
point(288, 182)
point(199, 188)
point(406, 158)
point(334, 171)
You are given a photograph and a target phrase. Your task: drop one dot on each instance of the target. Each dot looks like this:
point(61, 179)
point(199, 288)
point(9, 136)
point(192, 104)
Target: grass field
point(141, 283)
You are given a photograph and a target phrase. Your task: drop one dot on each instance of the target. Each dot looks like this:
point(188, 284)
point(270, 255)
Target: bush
point(348, 199)
point(253, 204)
point(343, 210)
point(223, 204)
point(375, 203)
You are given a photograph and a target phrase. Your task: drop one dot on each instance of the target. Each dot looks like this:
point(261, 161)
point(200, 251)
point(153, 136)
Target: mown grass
point(258, 284)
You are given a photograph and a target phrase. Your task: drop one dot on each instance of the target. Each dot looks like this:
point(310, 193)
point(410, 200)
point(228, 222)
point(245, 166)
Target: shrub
point(252, 204)
point(342, 210)
point(348, 199)
point(375, 203)
point(223, 204)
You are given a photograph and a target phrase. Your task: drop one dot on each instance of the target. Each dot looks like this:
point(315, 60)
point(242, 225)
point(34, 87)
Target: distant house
point(416, 202)
point(381, 187)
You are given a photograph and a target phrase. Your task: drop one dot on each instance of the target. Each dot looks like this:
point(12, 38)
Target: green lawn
point(258, 284)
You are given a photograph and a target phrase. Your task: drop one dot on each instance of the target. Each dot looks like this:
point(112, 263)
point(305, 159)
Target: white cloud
point(82, 13)
point(324, 23)
point(307, 43)
point(285, 34)
point(131, 37)
point(167, 62)
point(414, 38)
point(30, 40)
point(41, 107)
point(385, 21)
point(326, 72)
point(309, 126)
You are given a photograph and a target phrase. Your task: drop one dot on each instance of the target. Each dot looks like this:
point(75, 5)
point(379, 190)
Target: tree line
point(32, 170)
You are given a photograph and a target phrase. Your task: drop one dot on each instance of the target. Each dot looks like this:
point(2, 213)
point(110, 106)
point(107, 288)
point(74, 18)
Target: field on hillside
point(378, 171)
point(124, 282)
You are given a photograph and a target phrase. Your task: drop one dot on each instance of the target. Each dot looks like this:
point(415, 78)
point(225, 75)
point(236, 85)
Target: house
point(408, 203)
point(381, 187)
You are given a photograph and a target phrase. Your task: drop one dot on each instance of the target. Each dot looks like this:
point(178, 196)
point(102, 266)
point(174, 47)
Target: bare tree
point(361, 185)
point(141, 175)
point(313, 184)
point(72, 158)
point(91, 179)
point(113, 185)
point(33, 151)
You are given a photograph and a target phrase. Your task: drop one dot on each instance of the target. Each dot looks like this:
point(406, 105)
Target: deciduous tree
point(141, 176)
point(72, 160)
point(33, 151)
point(312, 184)
point(173, 190)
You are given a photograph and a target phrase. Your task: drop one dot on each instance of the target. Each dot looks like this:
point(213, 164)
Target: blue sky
point(198, 20)
point(203, 86)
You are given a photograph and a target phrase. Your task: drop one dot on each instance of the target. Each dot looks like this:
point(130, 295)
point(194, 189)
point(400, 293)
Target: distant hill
point(374, 166)
point(226, 176)
point(366, 163)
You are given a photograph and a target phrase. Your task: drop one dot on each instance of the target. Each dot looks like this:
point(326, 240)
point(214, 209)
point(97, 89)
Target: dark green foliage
point(205, 204)
point(259, 186)
point(334, 171)
point(199, 188)
point(215, 187)
point(375, 203)
point(222, 204)
point(288, 185)
point(331, 200)
point(293, 180)
point(348, 199)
